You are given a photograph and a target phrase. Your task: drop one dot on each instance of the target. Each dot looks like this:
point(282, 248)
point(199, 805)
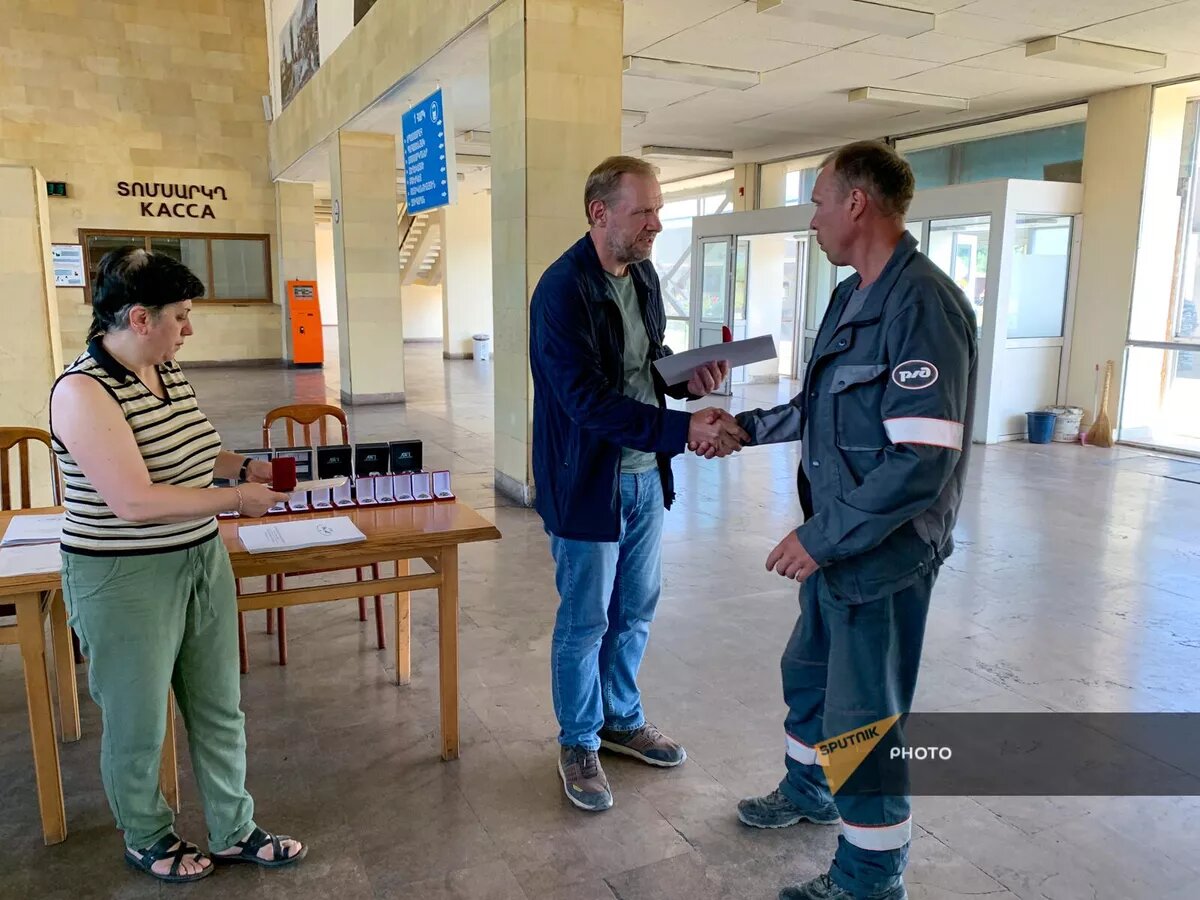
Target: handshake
point(714, 432)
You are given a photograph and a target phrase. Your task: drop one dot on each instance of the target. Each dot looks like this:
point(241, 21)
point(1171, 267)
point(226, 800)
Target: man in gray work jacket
point(885, 419)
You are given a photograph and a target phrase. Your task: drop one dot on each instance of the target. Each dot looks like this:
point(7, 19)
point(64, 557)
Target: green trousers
point(148, 624)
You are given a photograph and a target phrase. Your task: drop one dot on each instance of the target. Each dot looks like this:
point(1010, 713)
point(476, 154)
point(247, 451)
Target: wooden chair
point(306, 415)
point(21, 438)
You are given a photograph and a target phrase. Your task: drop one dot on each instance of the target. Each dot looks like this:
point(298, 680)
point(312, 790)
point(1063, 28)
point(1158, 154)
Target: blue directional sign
point(429, 172)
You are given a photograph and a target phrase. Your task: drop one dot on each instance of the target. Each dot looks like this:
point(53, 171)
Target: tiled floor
point(1076, 587)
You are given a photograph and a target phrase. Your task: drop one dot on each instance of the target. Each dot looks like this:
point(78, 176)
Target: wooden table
point(38, 597)
point(432, 532)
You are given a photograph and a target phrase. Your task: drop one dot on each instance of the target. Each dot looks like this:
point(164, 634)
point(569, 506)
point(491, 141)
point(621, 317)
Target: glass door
point(959, 247)
point(712, 310)
point(741, 286)
point(791, 327)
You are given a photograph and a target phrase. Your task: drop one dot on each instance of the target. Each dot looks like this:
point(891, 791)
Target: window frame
point(1189, 196)
point(208, 237)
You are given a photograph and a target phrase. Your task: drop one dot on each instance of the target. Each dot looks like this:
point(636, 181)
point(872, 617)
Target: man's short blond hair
point(605, 180)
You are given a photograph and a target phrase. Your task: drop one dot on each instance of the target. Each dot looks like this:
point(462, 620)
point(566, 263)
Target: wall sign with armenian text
point(172, 201)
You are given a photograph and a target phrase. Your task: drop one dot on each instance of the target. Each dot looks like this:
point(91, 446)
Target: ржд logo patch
point(915, 374)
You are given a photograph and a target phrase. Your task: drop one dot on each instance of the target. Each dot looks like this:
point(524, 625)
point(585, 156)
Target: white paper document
point(30, 559)
point(679, 366)
point(299, 535)
point(23, 530)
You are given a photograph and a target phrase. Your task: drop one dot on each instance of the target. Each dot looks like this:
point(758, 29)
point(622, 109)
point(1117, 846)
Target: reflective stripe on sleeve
point(932, 432)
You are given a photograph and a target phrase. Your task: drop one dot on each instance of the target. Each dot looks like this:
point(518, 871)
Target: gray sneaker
point(776, 811)
point(583, 779)
point(823, 888)
point(646, 743)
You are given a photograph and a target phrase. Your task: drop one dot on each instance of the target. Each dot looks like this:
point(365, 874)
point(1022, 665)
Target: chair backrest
point(21, 439)
point(305, 415)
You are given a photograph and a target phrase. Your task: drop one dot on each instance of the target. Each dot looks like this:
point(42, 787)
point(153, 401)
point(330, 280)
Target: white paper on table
point(679, 366)
point(33, 530)
point(299, 535)
point(30, 559)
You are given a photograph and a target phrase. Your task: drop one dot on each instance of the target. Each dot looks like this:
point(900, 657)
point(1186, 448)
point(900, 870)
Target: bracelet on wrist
point(240, 498)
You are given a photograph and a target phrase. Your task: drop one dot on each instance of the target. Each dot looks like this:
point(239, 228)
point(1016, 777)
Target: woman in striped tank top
point(147, 581)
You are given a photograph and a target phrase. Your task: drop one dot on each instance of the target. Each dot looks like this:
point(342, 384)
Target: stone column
point(31, 344)
point(367, 258)
point(555, 114)
point(1114, 165)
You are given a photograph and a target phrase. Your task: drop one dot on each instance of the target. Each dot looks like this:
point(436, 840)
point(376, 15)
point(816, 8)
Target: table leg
point(32, 638)
point(243, 649)
point(168, 771)
point(281, 635)
point(448, 650)
point(403, 630)
point(64, 669)
point(379, 629)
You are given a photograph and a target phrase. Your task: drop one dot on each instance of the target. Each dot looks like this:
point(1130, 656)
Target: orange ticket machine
point(305, 314)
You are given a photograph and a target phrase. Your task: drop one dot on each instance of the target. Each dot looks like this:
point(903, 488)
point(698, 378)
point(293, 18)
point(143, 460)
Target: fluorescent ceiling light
point(687, 153)
point(691, 73)
point(859, 15)
point(1090, 53)
point(907, 99)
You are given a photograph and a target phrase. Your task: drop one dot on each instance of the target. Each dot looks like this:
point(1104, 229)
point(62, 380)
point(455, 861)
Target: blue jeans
point(608, 593)
point(845, 666)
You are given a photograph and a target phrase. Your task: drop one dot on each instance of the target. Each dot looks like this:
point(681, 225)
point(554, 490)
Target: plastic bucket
point(1040, 426)
point(1066, 426)
point(483, 346)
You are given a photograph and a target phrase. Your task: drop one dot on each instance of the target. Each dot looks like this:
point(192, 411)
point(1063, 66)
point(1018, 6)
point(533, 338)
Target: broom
point(1100, 433)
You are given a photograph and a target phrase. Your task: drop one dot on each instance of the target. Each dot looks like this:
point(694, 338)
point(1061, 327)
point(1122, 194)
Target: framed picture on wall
point(299, 50)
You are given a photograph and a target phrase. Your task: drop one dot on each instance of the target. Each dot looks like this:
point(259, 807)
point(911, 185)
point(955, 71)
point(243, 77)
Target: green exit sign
point(56, 188)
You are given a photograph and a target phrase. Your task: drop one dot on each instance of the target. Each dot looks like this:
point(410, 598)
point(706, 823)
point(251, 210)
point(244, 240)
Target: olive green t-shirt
point(638, 382)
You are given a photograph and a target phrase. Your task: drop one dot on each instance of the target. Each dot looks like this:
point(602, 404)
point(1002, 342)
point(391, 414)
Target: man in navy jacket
point(884, 419)
point(602, 446)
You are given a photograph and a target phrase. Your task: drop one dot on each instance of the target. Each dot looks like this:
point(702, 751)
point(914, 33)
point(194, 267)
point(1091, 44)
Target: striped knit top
point(177, 442)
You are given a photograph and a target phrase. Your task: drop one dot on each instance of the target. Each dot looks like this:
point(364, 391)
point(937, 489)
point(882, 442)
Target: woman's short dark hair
point(131, 276)
point(877, 169)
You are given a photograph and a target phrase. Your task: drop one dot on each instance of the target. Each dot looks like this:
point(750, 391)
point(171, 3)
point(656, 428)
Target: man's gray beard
point(627, 255)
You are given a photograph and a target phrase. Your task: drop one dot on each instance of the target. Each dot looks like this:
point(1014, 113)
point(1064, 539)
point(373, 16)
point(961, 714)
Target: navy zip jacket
point(891, 398)
point(581, 417)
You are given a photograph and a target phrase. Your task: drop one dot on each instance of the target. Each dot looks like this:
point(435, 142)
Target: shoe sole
point(795, 821)
point(583, 806)
point(135, 864)
point(265, 863)
point(629, 751)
